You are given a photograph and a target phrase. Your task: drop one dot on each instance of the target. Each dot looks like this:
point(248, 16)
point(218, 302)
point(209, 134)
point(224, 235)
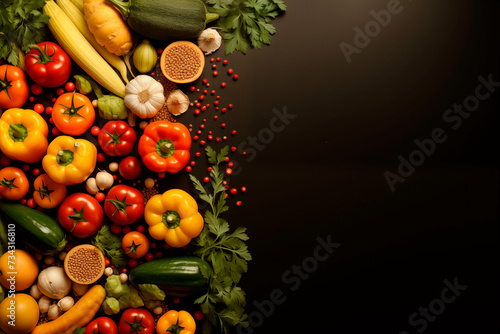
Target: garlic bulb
point(177, 102)
point(54, 312)
point(91, 185)
point(44, 304)
point(145, 57)
point(123, 278)
point(144, 96)
point(209, 41)
point(104, 180)
point(66, 303)
point(53, 282)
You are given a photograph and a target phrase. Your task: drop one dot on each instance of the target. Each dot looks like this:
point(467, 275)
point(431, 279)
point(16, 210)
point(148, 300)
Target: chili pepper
point(164, 146)
point(69, 160)
point(173, 217)
point(23, 135)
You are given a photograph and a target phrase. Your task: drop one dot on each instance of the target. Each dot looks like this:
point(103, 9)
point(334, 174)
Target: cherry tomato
point(81, 215)
point(130, 168)
point(14, 184)
point(136, 321)
point(135, 244)
point(102, 325)
point(124, 205)
point(117, 138)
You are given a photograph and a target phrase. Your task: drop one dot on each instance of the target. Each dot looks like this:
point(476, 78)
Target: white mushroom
point(177, 102)
point(209, 41)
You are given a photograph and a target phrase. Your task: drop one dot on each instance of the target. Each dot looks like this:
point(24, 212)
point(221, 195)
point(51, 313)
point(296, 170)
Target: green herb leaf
point(111, 246)
point(226, 251)
point(246, 23)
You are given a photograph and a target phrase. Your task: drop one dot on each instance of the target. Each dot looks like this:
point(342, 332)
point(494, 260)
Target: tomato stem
point(8, 183)
point(44, 56)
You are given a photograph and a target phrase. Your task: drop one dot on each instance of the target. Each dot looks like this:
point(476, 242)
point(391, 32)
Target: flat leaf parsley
point(226, 251)
point(246, 23)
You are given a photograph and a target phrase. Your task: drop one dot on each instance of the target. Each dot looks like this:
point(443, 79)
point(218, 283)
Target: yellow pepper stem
point(64, 157)
point(18, 132)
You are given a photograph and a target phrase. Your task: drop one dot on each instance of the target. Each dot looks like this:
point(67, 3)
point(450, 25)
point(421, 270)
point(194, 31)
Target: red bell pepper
point(48, 64)
point(164, 146)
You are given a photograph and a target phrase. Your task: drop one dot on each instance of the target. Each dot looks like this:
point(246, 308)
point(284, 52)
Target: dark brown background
point(323, 174)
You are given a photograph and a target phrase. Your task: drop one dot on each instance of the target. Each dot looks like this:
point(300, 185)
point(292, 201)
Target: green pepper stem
point(17, 131)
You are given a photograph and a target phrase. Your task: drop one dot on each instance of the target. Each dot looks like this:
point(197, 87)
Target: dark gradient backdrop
point(323, 173)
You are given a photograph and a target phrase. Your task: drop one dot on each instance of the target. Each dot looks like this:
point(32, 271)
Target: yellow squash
point(108, 27)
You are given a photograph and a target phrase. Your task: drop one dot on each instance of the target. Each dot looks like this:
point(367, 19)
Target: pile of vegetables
point(94, 59)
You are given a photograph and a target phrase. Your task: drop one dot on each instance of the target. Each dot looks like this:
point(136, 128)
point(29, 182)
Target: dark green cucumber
point(165, 19)
point(177, 276)
point(35, 228)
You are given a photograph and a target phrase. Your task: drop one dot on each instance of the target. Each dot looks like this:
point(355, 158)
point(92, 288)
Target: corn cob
point(80, 50)
point(79, 4)
point(77, 17)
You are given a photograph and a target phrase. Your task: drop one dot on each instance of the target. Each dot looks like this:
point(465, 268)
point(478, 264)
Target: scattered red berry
point(99, 196)
point(236, 77)
point(95, 130)
point(69, 86)
point(36, 89)
point(230, 71)
point(206, 179)
point(39, 108)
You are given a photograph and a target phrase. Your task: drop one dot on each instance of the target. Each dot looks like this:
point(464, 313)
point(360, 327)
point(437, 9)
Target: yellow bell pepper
point(173, 217)
point(69, 160)
point(23, 135)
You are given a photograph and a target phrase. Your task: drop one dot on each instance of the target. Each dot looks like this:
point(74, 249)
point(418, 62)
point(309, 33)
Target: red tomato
point(117, 138)
point(124, 205)
point(48, 65)
point(14, 88)
point(135, 244)
point(81, 215)
point(136, 321)
point(130, 168)
point(102, 325)
point(14, 184)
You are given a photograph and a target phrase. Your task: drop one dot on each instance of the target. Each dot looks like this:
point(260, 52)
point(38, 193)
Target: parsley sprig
point(246, 23)
point(226, 251)
point(22, 23)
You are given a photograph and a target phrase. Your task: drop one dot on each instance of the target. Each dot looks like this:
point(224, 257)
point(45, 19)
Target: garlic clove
point(209, 41)
point(104, 180)
point(66, 303)
point(44, 304)
point(91, 185)
point(177, 102)
point(54, 312)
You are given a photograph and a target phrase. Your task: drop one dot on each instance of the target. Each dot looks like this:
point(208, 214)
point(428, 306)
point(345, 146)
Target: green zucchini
point(36, 228)
point(179, 276)
point(165, 19)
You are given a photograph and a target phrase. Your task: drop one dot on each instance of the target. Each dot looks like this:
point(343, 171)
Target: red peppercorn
point(205, 92)
point(206, 179)
point(225, 138)
point(233, 132)
point(202, 97)
point(193, 163)
point(215, 117)
point(202, 142)
point(238, 203)
point(99, 196)
point(212, 92)
point(236, 77)
point(229, 171)
point(198, 315)
point(210, 137)
point(48, 110)
point(234, 191)
point(188, 169)
point(36, 89)
point(218, 139)
point(230, 164)
point(55, 131)
point(32, 98)
point(204, 81)
point(69, 86)
point(198, 104)
point(233, 149)
point(214, 66)
point(243, 189)
point(225, 62)
point(60, 91)
point(140, 229)
point(195, 138)
point(216, 103)
point(197, 111)
point(230, 106)
point(198, 154)
point(198, 132)
point(31, 203)
point(218, 59)
point(203, 108)
point(215, 73)
point(223, 84)
point(230, 71)
point(204, 120)
point(36, 171)
point(202, 126)
point(223, 125)
point(95, 130)
point(224, 110)
point(192, 88)
point(101, 157)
